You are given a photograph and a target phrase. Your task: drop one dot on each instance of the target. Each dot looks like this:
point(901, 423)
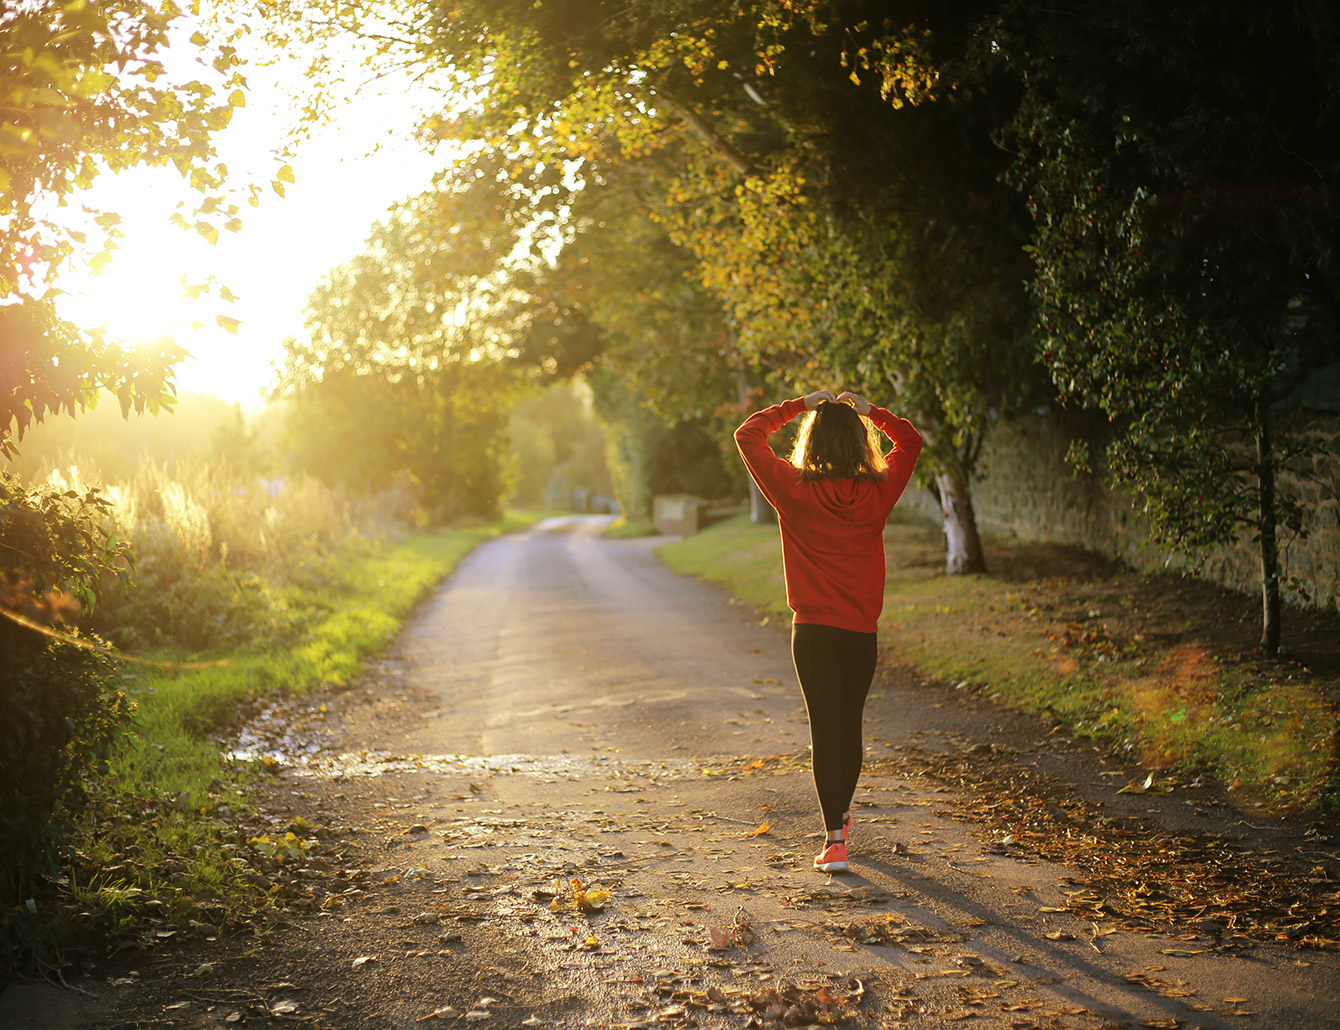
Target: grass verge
point(159, 846)
point(622, 529)
point(1159, 665)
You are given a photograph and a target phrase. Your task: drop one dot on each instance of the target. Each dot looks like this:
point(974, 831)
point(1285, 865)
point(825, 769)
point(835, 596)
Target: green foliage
point(871, 244)
point(665, 376)
point(814, 189)
point(557, 447)
point(1184, 244)
point(664, 338)
point(220, 554)
point(59, 708)
point(649, 455)
point(402, 377)
point(360, 601)
point(837, 182)
point(50, 367)
point(87, 91)
point(100, 439)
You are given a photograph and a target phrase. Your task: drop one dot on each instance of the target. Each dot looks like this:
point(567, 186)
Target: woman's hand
point(813, 400)
point(858, 402)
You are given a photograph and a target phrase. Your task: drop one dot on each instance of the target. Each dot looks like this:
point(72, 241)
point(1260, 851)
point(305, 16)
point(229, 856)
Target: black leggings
point(835, 667)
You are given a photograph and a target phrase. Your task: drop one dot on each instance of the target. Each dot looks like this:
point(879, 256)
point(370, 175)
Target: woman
point(832, 501)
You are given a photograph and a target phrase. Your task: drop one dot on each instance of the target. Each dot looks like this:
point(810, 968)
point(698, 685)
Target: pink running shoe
point(833, 858)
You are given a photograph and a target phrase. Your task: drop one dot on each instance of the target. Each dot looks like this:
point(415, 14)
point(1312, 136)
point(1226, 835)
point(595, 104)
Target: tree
point(604, 293)
point(88, 92)
point(1181, 162)
point(402, 374)
point(666, 373)
point(829, 167)
point(557, 447)
point(60, 709)
point(882, 252)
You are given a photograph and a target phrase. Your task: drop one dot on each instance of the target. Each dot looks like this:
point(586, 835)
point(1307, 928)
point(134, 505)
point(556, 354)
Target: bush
point(218, 551)
point(59, 709)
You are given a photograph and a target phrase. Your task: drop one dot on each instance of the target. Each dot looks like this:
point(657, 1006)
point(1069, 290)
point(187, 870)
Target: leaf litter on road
point(821, 1001)
point(1132, 873)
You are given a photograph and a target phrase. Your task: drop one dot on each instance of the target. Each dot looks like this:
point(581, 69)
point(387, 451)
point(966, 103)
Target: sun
point(163, 282)
point(231, 304)
point(140, 294)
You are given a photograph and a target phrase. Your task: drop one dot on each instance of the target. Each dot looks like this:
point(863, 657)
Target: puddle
point(307, 760)
point(291, 733)
point(283, 732)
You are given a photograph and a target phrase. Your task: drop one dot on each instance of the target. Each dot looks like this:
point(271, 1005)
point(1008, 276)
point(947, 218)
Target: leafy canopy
point(1184, 228)
point(88, 89)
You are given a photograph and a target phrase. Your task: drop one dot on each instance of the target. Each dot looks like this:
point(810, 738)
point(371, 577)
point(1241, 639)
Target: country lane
point(575, 793)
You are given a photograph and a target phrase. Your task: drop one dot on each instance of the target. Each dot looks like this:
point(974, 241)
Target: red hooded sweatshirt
point(832, 529)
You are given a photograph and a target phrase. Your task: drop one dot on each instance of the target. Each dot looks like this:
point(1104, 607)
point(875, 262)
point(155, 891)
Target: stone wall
point(1025, 489)
point(684, 514)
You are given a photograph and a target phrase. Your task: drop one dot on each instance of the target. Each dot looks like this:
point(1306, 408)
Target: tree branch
point(704, 131)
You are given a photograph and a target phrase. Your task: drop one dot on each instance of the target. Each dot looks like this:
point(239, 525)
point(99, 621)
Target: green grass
point(1113, 655)
point(165, 817)
point(622, 529)
point(744, 558)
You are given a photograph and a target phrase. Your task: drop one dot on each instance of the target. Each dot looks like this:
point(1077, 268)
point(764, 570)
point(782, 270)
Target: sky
point(345, 177)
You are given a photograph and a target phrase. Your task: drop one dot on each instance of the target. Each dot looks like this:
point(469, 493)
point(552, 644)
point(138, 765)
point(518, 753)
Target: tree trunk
point(760, 511)
point(964, 546)
point(1270, 557)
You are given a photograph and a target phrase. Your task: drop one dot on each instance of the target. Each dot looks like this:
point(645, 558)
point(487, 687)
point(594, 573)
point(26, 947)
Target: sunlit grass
point(742, 557)
point(1093, 649)
point(622, 529)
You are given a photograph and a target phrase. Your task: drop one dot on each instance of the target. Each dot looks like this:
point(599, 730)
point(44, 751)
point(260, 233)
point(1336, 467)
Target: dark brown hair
point(836, 443)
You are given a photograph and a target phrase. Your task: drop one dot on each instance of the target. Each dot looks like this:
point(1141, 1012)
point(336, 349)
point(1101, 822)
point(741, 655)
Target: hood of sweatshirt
point(845, 499)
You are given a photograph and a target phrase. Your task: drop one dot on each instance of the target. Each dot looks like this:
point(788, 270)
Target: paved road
point(555, 630)
point(564, 709)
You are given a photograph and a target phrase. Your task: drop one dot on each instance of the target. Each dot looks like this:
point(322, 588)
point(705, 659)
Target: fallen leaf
point(592, 900)
point(1132, 788)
